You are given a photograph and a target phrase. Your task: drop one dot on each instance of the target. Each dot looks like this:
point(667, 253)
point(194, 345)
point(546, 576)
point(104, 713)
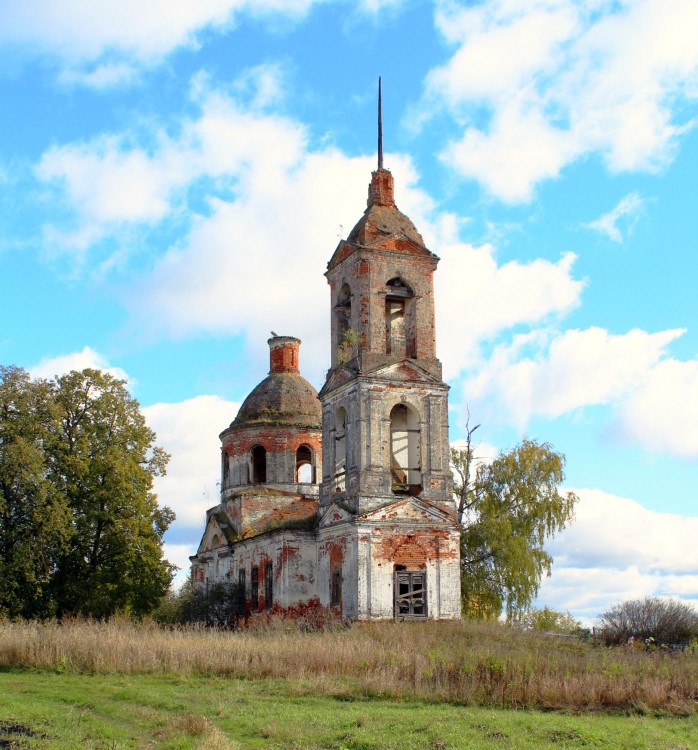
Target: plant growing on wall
point(349, 347)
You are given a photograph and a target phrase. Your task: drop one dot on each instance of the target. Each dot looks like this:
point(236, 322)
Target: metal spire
point(380, 127)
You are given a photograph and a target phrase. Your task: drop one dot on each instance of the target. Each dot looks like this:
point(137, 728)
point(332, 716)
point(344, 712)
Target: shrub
point(550, 621)
point(666, 620)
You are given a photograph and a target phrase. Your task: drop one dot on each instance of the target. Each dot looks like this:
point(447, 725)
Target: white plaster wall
point(293, 556)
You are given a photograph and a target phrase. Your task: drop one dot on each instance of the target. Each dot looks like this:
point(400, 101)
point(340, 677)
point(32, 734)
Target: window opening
point(226, 469)
point(399, 335)
point(305, 471)
point(268, 586)
point(342, 313)
point(405, 465)
point(336, 588)
point(259, 464)
point(340, 449)
point(254, 588)
point(241, 591)
point(395, 326)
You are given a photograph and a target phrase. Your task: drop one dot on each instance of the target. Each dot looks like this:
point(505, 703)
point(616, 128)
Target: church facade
point(344, 498)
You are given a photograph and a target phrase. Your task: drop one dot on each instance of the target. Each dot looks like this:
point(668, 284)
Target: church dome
point(382, 222)
point(284, 397)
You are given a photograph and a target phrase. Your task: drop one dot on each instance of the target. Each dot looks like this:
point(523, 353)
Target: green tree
point(80, 527)
point(507, 509)
point(34, 518)
point(106, 462)
point(548, 620)
point(175, 607)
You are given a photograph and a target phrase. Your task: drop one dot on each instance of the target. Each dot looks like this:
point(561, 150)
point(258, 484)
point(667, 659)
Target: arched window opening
point(226, 469)
point(399, 328)
point(305, 471)
point(259, 464)
point(340, 449)
point(342, 313)
point(405, 463)
point(217, 541)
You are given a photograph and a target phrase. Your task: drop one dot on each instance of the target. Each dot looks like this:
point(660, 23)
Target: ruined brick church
point(344, 498)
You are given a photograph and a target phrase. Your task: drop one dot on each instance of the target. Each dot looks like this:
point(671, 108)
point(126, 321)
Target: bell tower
point(384, 404)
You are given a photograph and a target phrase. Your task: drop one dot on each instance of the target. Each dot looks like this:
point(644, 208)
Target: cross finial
point(380, 127)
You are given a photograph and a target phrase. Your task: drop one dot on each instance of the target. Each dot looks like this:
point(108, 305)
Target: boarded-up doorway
point(410, 595)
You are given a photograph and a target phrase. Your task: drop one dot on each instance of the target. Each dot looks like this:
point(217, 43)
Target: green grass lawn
point(115, 712)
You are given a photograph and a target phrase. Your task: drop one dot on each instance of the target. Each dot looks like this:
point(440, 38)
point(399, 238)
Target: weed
point(468, 663)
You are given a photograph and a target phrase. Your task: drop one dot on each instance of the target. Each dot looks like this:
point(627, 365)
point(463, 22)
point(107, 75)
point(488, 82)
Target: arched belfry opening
point(405, 463)
point(340, 448)
point(305, 465)
point(258, 461)
point(399, 313)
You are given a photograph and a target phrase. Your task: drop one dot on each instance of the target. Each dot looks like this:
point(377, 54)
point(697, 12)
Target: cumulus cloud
point(51, 367)
point(188, 431)
point(616, 549)
point(555, 81)
point(550, 374)
point(477, 298)
point(266, 244)
point(261, 213)
point(113, 181)
point(662, 413)
point(623, 216)
point(102, 44)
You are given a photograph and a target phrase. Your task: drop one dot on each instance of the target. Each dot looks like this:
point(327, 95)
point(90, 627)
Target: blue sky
point(175, 177)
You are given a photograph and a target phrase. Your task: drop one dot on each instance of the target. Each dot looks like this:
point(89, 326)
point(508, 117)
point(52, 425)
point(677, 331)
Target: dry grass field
point(469, 663)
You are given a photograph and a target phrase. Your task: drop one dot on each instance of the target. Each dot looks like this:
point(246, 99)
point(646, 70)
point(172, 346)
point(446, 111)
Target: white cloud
point(557, 80)
point(274, 204)
point(51, 367)
point(107, 183)
point(521, 149)
point(616, 549)
point(251, 266)
point(566, 371)
point(476, 298)
point(662, 413)
point(102, 76)
point(101, 43)
point(626, 213)
point(189, 431)
point(178, 554)
point(275, 211)
point(110, 182)
point(376, 6)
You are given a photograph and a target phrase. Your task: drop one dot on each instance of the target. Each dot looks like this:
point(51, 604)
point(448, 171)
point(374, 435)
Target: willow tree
point(507, 509)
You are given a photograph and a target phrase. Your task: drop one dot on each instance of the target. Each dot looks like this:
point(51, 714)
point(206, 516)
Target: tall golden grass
point(465, 663)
